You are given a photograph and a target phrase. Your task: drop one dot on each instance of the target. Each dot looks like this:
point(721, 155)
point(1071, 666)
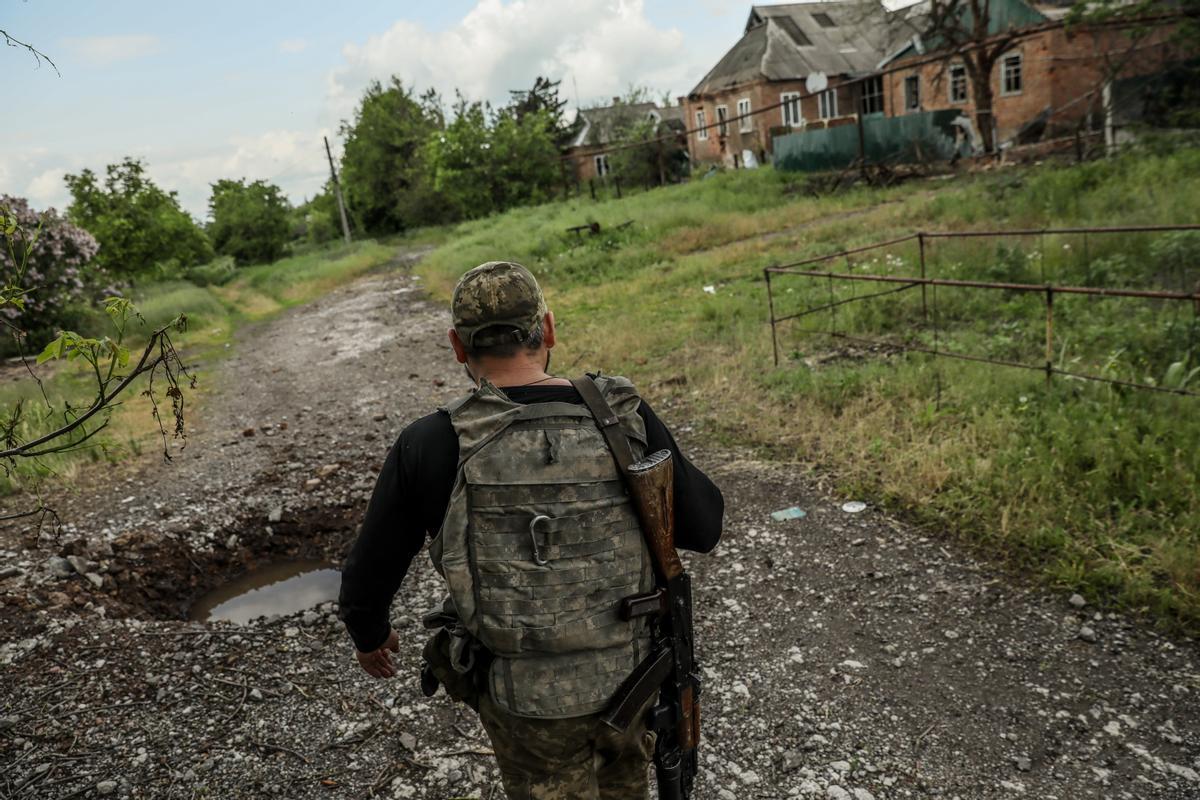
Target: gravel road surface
point(845, 655)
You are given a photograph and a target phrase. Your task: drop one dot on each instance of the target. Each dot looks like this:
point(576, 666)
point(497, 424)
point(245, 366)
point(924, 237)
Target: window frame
point(827, 101)
point(912, 93)
point(746, 123)
point(875, 97)
point(958, 80)
point(701, 125)
point(1006, 73)
point(791, 100)
point(722, 121)
point(600, 162)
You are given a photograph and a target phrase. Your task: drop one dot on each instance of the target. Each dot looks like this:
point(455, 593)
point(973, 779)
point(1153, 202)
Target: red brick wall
point(582, 160)
point(762, 94)
point(1058, 68)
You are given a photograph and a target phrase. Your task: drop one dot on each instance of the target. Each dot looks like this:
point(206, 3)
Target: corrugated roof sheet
point(599, 123)
point(786, 42)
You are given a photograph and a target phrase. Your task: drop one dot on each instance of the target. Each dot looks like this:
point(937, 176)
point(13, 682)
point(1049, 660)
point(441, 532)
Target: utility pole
point(337, 190)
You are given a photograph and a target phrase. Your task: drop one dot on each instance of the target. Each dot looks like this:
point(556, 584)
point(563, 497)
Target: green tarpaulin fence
point(929, 135)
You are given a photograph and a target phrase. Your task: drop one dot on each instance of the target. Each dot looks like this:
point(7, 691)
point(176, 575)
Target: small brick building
point(806, 66)
point(1049, 82)
point(600, 127)
point(770, 66)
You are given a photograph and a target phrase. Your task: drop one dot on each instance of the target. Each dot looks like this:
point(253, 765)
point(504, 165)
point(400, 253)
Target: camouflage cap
point(496, 303)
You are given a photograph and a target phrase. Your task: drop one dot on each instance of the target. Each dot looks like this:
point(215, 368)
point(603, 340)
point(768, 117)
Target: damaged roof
point(600, 124)
point(792, 40)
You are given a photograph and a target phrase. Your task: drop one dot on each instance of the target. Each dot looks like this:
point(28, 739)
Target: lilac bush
point(57, 272)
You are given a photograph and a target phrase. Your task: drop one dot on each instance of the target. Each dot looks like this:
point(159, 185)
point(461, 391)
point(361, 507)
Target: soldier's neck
point(514, 372)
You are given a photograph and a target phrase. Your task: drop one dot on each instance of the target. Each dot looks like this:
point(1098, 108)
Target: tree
point(139, 226)
point(249, 221)
point(643, 155)
point(31, 431)
point(53, 270)
point(542, 99)
point(966, 30)
point(316, 219)
point(383, 170)
point(486, 161)
point(1124, 35)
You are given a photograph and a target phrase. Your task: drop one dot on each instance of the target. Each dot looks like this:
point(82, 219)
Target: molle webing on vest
point(552, 508)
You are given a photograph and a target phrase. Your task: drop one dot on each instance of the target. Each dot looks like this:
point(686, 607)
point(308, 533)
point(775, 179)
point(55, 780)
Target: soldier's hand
point(378, 663)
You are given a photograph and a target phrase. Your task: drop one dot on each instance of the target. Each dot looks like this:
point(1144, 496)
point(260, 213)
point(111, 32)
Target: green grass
point(213, 313)
point(1093, 488)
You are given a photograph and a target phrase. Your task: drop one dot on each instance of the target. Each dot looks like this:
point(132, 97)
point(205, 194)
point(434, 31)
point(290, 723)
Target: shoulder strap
point(607, 419)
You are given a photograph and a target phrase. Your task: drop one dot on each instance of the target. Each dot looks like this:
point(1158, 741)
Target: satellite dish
point(816, 82)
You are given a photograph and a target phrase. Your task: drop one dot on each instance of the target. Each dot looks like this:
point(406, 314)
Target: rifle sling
point(609, 422)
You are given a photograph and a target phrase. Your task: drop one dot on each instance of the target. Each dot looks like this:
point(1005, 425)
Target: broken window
point(746, 123)
point(601, 162)
point(912, 93)
point(827, 104)
point(722, 115)
point(701, 122)
point(958, 83)
point(791, 108)
point(824, 20)
point(1011, 77)
point(872, 95)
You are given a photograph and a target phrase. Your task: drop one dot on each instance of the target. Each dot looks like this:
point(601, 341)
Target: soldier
point(537, 541)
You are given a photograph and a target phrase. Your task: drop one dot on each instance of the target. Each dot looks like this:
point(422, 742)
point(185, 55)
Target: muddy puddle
point(282, 588)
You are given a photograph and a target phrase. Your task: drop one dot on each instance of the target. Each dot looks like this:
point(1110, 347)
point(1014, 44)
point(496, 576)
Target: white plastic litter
point(854, 507)
point(710, 289)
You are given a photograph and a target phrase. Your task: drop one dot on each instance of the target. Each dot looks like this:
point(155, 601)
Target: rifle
point(670, 669)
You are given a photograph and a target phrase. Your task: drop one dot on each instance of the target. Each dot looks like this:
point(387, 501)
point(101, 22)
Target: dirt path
point(846, 656)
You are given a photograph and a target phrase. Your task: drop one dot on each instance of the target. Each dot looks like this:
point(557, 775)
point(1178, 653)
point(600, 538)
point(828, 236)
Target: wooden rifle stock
point(651, 482)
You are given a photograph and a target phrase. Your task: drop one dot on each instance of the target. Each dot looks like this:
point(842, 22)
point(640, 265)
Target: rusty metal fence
point(1048, 291)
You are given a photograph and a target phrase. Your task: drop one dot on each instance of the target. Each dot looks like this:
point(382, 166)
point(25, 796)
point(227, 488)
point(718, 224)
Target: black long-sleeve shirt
point(413, 492)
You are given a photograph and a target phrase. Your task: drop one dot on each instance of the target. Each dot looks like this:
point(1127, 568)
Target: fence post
point(924, 302)
point(617, 181)
point(592, 187)
point(771, 307)
point(1049, 334)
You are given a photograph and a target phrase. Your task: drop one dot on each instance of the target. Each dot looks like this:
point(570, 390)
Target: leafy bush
point(217, 272)
point(249, 221)
point(59, 273)
point(386, 180)
point(137, 224)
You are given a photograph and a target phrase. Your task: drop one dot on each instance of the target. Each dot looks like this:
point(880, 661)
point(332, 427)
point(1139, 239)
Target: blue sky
point(247, 89)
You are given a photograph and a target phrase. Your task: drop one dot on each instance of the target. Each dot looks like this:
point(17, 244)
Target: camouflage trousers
point(579, 758)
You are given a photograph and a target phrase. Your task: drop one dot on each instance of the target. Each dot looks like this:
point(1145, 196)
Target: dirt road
point(846, 655)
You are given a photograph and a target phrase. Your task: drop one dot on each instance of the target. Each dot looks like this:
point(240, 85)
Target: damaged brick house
point(780, 48)
point(817, 65)
point(600, 127)
point(1050, 79)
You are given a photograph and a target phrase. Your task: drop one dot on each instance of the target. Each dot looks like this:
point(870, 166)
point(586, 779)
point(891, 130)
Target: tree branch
point(38, 55)
point(102, 401)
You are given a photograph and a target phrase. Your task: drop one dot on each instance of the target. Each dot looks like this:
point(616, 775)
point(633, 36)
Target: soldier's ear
point(460, 352)
point(548, 329)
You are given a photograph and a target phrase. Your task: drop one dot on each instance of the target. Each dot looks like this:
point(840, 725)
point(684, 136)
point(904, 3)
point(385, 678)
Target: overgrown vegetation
point(1092, 487)
point(213, 312)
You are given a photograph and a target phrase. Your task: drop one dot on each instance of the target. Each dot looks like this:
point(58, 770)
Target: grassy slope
point(213, 312)
point(1094, 489)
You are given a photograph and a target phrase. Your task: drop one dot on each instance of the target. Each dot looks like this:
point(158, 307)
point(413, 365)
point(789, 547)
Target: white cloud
point(293, 160)
point(293, 45)
point(104, 50)
point(598, 47)
point(47, 189)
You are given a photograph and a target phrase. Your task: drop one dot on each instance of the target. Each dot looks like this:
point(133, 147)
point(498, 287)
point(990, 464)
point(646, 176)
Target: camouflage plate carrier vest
point(539, 545)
